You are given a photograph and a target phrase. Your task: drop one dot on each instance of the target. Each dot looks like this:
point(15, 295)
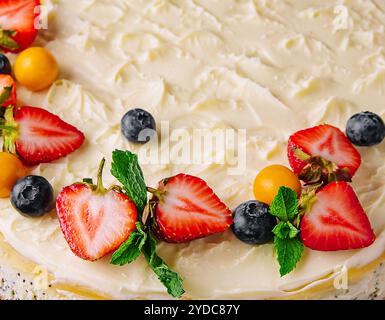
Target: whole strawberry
point(186, 208)
point(95, 221)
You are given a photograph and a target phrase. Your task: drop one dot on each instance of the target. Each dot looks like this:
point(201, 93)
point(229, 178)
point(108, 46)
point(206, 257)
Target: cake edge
point(22, 279)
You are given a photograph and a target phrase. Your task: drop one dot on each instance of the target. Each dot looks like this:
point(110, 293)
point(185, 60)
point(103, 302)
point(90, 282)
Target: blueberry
point(138, 126)
point(365, 129)
point(32, 196)
point(253, 224)
point(5, 65)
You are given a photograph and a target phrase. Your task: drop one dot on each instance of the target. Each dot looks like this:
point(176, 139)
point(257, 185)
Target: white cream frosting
point(271, 67)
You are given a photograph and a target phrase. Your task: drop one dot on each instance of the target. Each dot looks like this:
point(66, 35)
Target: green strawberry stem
point(6, 40)
point(301, 155)
point(155, 192)
point(7, 128)
point(4, 96)
point(10, 131)
point(318, 169)
point(99, 187)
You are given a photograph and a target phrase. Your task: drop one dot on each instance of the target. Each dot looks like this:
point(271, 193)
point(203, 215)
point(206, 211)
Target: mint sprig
point(126, 169)
point(285, 204)
point(170, 279)
point(287, 243)
point(130, 250)
point(289, 252)
point(285, 230)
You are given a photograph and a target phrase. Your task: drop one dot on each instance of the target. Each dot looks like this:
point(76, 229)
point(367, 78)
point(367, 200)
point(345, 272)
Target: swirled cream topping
point(270, 67)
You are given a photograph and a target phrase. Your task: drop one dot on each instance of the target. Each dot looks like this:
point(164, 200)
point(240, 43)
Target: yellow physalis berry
point(270, 179)
point(11, 169)
point(36, 68)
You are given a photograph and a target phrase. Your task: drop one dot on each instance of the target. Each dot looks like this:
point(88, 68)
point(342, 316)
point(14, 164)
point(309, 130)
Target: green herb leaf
point(130, 250)
point(285, 230)
point(293, 231)
point(285, 204)
point(289, 252)
point(170, 279)
point(88, 180)
point(126, 169)
point(6, 40)
point(142, 242)
point(280, 230)
point(287, 243)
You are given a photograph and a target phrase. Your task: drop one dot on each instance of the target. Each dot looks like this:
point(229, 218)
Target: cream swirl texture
point(270, 67)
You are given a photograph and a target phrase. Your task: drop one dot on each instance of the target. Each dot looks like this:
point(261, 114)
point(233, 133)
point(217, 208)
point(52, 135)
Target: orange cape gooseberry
point(36, 68)
point(270, 179)
point(12, 170)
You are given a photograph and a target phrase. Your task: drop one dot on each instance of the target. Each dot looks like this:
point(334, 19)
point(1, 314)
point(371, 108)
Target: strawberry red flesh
point(188, 209)
point(336, 221)
point(327, 142)
point(19, 16)
point(95, 221)
point(7, 81)
point(43, 136)
point(94, 225)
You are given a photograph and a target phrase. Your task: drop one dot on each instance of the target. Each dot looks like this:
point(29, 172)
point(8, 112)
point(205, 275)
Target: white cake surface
point(270, 67)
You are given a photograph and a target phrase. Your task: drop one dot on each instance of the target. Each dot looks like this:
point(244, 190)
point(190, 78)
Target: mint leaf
point(280, 230)
point(287, 243)
point(293, 230)
point(285, 204)
point(126, 169)
point(130, 250)
point(289, 252)
point(142, 242)
point(170, 279)
point(285, 230)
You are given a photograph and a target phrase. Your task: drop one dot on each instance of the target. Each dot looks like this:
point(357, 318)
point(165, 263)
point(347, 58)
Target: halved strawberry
point(39, 136)
point(95, 221)
point(186, 208)
point(336, 220)
point(17, 24)
point(7, 91)
point(323, 150)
